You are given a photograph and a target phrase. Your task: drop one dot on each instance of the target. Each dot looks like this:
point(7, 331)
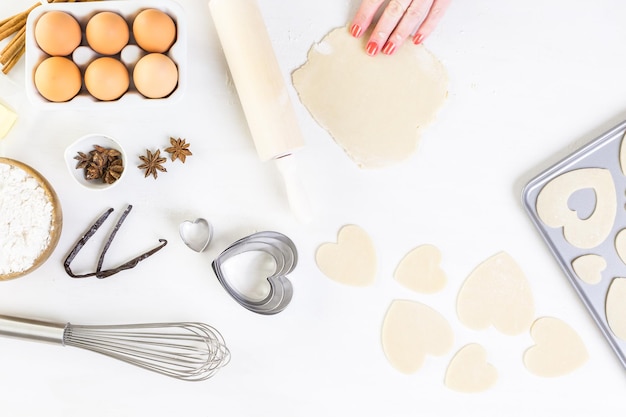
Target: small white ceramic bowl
point(86, 145)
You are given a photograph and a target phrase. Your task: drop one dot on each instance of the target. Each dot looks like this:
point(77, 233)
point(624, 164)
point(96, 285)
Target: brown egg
point(57, 33)
point(106, 79)
point(107, 33)
point(154, 30)
point(155, 75)
point(57, 79)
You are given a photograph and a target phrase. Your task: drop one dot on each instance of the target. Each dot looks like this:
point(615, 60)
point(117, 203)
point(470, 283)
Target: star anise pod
point(99, 159)
point(113, 172)
point(179, 149)
point(107, 152)
point(83, 160)
point(101, 163)
point(152, 163)
point(93, 171)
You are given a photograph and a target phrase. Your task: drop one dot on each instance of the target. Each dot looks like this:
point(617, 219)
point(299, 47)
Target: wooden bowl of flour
point(31, 219)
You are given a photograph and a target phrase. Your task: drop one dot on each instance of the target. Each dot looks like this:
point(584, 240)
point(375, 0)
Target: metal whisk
point(189, 351)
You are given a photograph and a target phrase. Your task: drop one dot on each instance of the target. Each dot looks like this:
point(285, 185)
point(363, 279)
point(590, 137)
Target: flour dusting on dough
point(374, 108)
point(323, 48)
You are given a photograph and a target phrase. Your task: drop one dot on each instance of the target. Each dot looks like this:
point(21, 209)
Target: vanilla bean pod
point(111, 237)
point(99, 273)
point(132, 263)
point(81, 242)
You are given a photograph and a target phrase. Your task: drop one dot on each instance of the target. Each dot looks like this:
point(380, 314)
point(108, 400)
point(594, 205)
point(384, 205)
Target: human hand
point(398, 21)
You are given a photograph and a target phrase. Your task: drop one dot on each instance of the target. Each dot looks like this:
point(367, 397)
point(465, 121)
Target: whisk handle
point(40, 331)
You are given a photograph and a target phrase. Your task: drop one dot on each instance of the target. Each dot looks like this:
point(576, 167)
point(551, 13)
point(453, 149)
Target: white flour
point(25, 219)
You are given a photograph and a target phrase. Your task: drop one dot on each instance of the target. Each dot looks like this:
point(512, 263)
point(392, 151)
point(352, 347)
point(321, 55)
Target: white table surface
point(530, 81)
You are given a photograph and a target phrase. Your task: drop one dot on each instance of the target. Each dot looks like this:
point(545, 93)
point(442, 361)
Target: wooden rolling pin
point(262, 91)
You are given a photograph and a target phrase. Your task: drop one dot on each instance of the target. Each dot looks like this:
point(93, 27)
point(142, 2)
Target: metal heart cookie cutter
point(285, 256)
point(196, 234)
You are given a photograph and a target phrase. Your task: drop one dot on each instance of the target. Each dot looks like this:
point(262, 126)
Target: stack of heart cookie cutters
point(285, 256)
point(197, 236)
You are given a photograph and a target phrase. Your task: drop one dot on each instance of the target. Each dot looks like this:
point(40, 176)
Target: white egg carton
point(83, 55)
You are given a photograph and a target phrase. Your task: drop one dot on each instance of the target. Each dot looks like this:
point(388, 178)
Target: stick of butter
point(7, 119)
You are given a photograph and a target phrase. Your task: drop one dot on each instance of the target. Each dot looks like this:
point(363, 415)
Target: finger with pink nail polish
point(398, 21)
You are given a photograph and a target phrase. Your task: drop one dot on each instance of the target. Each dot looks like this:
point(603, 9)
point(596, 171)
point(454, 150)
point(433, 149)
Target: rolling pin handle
point(298, 199)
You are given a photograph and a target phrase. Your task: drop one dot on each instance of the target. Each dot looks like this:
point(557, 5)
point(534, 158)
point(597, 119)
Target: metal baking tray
point(601, 152)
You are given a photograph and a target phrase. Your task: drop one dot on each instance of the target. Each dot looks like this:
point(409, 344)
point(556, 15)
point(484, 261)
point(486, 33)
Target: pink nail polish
point(418, 38)
point(389, 48)
point(372, 48)
point(355, 30)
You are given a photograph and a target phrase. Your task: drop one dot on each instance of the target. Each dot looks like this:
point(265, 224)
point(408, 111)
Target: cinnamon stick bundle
point(14, 27)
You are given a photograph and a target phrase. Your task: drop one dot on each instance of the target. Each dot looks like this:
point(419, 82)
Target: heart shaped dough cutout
point(620, 244)
point(352, 260)
point(558, 349)
point(622, 155)
point(589, 268)
point(411, 331)
point(420, 270)
point(469, 371)
point(552, 206)
point(496, 293)
point(616, 307)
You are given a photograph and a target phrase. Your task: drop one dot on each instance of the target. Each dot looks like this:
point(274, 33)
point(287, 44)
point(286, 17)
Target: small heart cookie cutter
point(285, 256)
point(196, 234)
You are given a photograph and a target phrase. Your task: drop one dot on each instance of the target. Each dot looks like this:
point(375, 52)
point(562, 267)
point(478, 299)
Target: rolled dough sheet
point(374, 108)
point(469, 370)
point(558, 349)
point(412, 330)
